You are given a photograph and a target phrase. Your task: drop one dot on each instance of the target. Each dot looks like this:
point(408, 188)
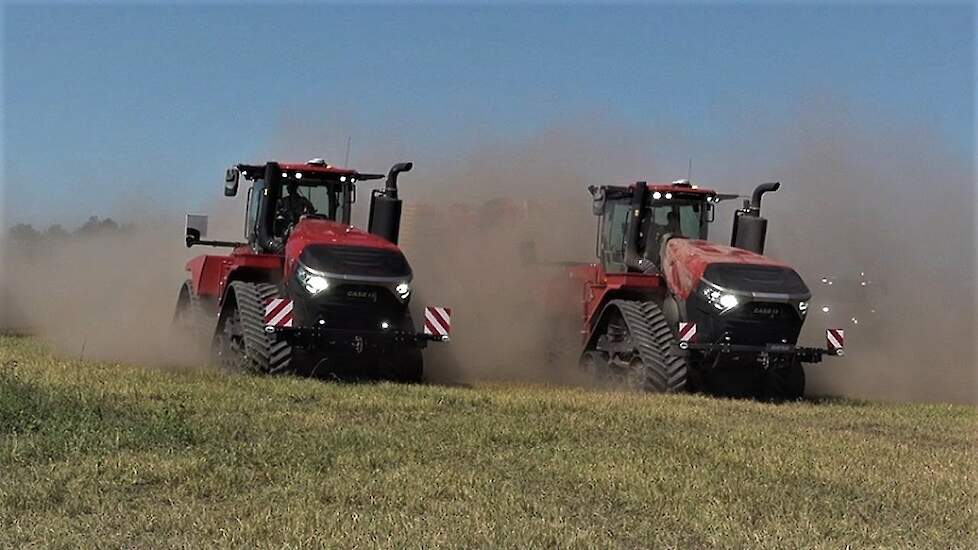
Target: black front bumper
point(775, 354)
point(323, 339)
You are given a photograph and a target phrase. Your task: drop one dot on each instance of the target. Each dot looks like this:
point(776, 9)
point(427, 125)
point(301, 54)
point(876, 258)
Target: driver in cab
point(672, 225)
point(293, 206)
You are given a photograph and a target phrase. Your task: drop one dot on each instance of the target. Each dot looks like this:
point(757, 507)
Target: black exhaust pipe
point(749, 228)
point(385, 207)
point(755, 198)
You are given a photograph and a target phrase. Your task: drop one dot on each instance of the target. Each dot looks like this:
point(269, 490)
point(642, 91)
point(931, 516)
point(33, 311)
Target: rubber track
point(265, 353)
point(191, 322)
point(653, 340)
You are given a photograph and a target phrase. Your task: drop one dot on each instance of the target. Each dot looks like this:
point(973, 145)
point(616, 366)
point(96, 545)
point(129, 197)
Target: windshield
point(325, 199)
point(682, 218)
point(685, 218)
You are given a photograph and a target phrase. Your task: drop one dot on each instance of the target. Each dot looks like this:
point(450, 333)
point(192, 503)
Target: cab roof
point(677, 189)
point(315, 167)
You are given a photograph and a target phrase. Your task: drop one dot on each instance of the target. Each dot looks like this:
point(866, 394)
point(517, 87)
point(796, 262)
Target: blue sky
point(104, 104)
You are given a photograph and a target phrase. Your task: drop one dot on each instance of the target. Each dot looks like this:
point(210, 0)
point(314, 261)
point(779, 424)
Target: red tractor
point(666, 310)
point(308, 292)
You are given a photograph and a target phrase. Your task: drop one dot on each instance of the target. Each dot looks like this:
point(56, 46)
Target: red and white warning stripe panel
point(835, 338)
point(278, 312)
point(438, 321)
point(687, 332)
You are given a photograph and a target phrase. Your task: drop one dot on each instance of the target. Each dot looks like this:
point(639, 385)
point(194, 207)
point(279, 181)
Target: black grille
point(752, 323)
point(763, 311)
point(756, 278)
point(349, 306)
point(757, 323)
point(356, 260)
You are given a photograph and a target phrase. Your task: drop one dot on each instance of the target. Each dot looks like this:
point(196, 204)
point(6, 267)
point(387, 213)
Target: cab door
point(611, 235)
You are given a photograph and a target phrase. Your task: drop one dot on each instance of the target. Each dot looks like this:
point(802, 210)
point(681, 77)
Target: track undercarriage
point(243, 342)
point(634, 347)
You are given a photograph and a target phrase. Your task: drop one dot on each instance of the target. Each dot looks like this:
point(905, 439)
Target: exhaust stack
point(385, 206)
point(749, 228)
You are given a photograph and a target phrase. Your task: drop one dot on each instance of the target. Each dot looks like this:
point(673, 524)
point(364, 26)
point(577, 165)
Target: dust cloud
point(111, 295)
point(884, 198)
point(859, 194)
point(106, 297)
point(893, 201)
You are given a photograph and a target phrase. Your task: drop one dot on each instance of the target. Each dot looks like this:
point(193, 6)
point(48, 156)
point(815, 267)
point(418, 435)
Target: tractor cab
point(635, 222)
point(281, 194)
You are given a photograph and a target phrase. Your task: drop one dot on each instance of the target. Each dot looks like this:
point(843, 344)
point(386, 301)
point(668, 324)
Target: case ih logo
point(367, 295)
point(278, 312)
point(438, 321)
point(766, 311)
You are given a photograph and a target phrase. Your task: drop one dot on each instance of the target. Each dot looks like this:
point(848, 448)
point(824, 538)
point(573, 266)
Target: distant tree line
point(25, 235)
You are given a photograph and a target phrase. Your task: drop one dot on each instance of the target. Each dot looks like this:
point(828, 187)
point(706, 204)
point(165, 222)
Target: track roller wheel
point(191, 326)
point(786, 383)
point(405, 366)
point(635, 346)
point(240, 341)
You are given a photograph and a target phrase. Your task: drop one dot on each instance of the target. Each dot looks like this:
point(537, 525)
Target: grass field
point(107, 455)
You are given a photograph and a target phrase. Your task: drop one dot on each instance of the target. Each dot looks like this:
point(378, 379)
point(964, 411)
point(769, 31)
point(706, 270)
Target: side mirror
point(196, 228)
point(231, 182)
point(597, 197)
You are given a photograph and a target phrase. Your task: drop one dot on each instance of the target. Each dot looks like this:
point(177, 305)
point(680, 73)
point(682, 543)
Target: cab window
point(614, 227)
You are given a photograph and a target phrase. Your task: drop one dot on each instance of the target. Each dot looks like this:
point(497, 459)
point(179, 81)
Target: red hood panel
point(313, 231)
point(686, 261)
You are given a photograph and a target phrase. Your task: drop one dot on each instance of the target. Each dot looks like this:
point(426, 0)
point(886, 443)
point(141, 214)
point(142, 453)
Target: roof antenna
point(689, 172)
point(346, 162)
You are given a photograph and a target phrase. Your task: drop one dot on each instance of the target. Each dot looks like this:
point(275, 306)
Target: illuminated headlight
point(803, 306)
point(403, 290)
point(313, 282)
point(728, 301)
point(720, 300)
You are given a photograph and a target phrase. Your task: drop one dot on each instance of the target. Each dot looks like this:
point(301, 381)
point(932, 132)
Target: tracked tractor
point(664, 309)
point(306, 291)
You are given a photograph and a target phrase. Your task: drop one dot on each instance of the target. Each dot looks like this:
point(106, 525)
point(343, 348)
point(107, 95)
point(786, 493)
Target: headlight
point(313, 282)
point(719, 299)
point(728, 301)
point(803, 306)
point(403, 290)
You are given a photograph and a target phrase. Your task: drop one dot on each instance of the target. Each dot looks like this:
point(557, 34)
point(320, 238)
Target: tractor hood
point(313, 231)
point(346, 251)
point(686, 262)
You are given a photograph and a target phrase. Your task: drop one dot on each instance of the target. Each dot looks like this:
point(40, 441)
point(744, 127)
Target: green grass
point(107, 455)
